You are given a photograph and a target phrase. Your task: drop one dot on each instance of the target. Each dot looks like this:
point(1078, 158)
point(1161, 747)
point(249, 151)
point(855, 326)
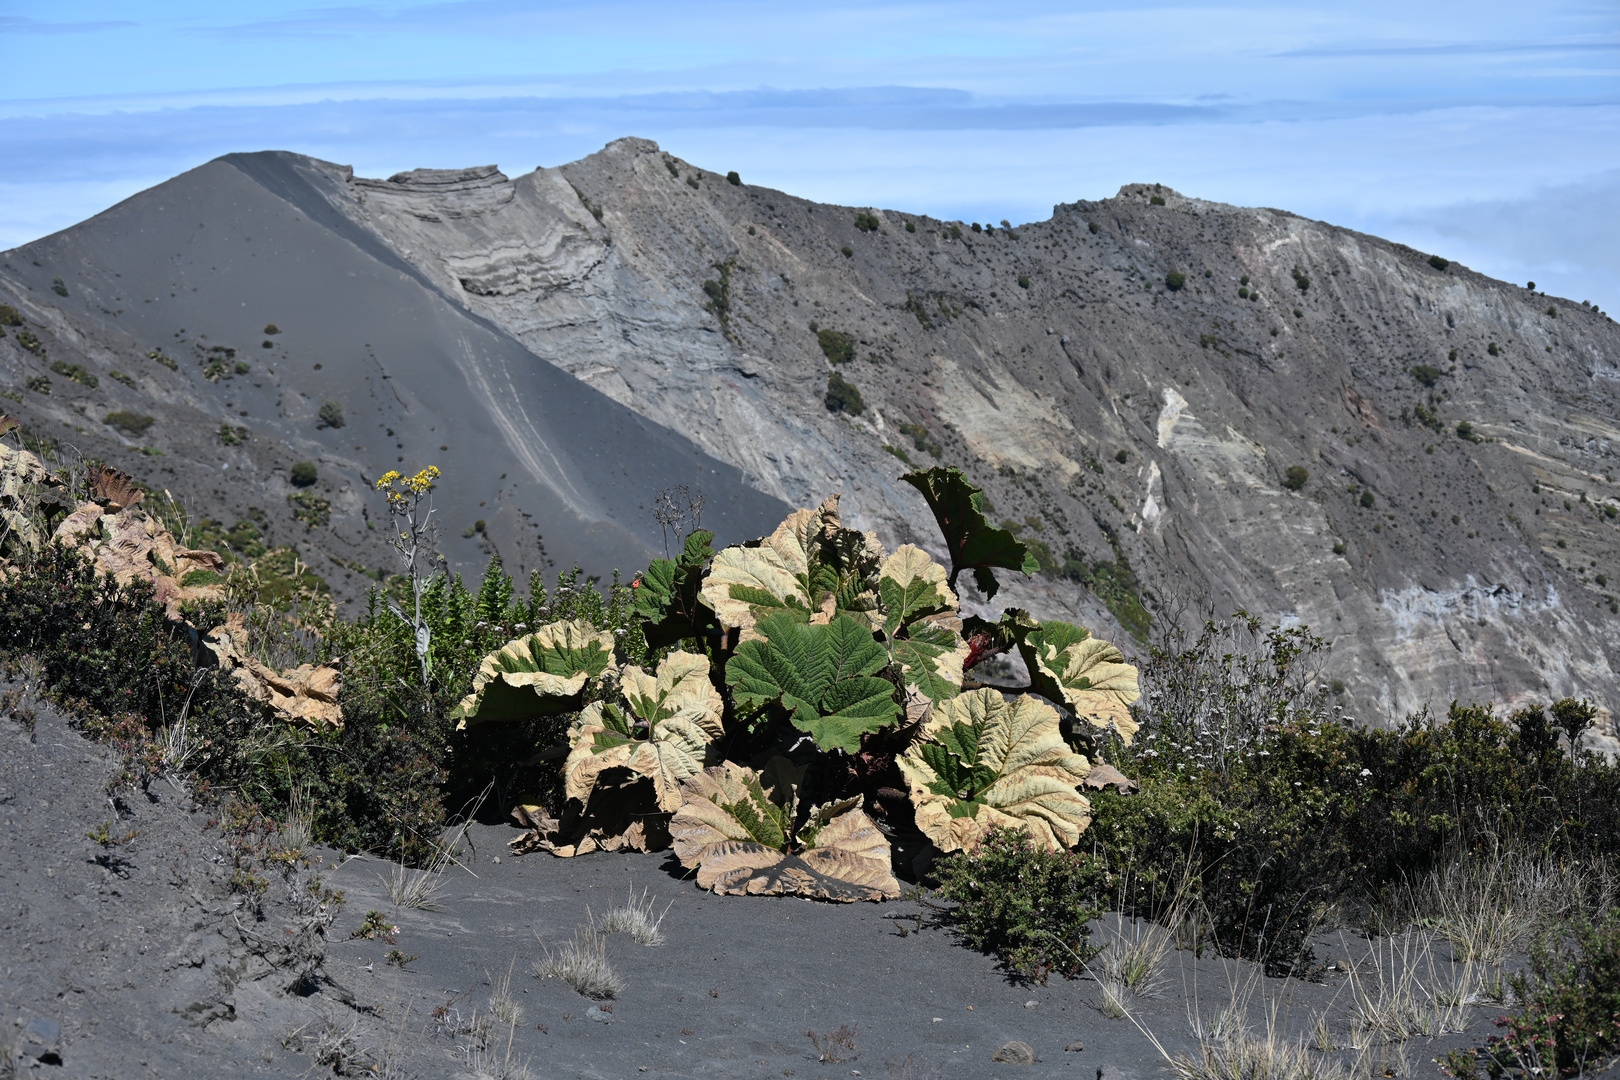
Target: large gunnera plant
point(812, 691)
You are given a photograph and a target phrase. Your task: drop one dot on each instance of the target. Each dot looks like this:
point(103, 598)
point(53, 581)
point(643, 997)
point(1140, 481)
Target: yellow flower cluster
point(416, 486)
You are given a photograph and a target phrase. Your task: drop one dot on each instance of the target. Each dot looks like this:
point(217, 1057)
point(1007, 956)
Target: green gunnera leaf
point(663, 729)
point(825, 676)
point(981, 761)
point(970, 539)
point(919, 623)
point(667, 595)
point(1087, 674)
point(810, 563)
point(541, 674)
point(735, 828)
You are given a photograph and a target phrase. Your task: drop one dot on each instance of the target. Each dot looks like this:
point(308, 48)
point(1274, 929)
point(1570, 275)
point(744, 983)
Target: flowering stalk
point(411, 536)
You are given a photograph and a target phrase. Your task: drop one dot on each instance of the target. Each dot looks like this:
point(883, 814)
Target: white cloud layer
point(1460, 128)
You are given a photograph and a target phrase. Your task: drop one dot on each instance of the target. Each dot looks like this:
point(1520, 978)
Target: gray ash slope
point(1031, 357)
point(198, 267)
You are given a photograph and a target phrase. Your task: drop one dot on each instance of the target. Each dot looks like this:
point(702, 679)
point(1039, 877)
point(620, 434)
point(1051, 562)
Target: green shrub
point(733, 179)
point(867, 222)
point(1023, 281)
point(920, 440)
point(1029, 906)
point(1570, 1009)
point(132, 424)
point(839, 348)
point(1122, 455)
point(1093, 228)
point(27, 340)
point(1174, 280)
point(241, 367)
point(1243, 293)
point(9, 316)
point(313, 510)
point(162, 358)
point(76, 373)
point(302, 474)
point(39, 384)
point(975, 227)
point(1157, 200)
point(330, 414)
point(1438, 263)
point(1244, 280)
point(1302, 282)
point(272, 329)
point(232, 436)
point(956, 232)
point(1465, 430)
point(1295, 477)
point(898, 452)
point(120, 377)
point(1368, 500)
point(58, 287)
point(1552, 311)
point(911, 226)
point(842, 395)
point(1426, 374)
point(849, 252)
point(1493, 349)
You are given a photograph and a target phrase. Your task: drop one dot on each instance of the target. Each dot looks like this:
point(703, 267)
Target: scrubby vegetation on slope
point(808, 713)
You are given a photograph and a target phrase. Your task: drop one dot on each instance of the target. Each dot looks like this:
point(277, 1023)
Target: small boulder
point(1014, 1053)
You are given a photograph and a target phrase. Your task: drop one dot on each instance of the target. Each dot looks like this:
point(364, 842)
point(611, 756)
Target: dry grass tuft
point(504, 1010)
point(636, 919)
point(1411, 996)
point(583, 964)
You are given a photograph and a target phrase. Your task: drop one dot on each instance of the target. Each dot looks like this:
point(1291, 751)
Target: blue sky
point(1489, 132)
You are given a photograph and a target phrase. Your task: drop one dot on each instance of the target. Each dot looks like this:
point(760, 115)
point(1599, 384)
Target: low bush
point(133, 424)
point(842, 396)
point(1023, 281)
point(867, 222)
point(76, 373)
point(1157, 200)
point(839, 348)
point(303, 474)
point(58, 286)
point(849, 252)
point(330, 414)
point(1031, 907)
point(1296, 477)
point(1569, 1023)
point(733, 179)
point(1278, 810)
point(9, 316)
point(1438, 263)
point(1174, 280)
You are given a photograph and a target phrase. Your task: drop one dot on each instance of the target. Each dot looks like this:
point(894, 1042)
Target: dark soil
point(139, 959)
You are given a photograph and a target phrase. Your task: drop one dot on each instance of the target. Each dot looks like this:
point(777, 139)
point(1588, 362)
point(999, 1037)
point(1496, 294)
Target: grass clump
point(582, 963)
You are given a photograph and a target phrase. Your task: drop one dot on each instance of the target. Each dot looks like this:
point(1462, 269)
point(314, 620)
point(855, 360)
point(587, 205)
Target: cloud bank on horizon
point(1489, 132)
